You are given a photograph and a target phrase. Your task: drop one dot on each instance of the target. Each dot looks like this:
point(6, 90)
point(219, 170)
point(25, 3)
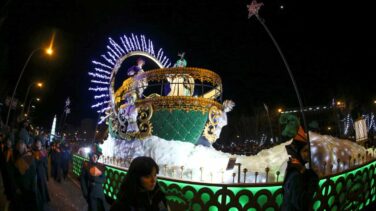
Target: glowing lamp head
point(49, 51)
point(280, 110)
point(39, 84)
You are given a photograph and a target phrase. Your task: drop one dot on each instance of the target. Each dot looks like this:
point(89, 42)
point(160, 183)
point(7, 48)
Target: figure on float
point(140, 85)
point(180, 84)
point(129, 113)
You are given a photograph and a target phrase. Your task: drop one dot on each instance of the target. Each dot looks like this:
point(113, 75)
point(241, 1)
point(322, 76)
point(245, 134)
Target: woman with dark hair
point(140, 190)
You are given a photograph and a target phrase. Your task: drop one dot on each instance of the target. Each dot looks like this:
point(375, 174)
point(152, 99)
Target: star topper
point(253, 8)
point(67, 102)
point(181, 55)
point(67, 111)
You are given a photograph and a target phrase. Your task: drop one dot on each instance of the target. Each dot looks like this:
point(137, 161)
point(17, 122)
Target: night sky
point(328, 48)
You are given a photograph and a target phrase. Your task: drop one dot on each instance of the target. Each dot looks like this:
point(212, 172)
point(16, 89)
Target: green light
point(316, 205)
point(244, 199)
point(333, 190)
point(213, 208)
point(205, 197)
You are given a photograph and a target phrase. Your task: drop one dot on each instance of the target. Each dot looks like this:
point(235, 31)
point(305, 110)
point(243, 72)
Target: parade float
point(174, 113)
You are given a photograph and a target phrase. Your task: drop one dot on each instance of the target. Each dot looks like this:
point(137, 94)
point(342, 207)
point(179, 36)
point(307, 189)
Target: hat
point(301, 136)
point(96, 150)
point(292, 128)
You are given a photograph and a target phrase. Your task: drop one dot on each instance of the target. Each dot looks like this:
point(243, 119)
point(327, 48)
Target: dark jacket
point(143, 201)
point(92, 186)
point(27, 196)
point(41, 162)
point(298, 188)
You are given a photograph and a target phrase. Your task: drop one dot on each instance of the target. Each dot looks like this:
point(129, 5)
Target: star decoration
point(67, 102)
point(253, 8)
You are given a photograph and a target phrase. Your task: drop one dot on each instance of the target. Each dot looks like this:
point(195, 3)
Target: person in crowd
point(140, 189)
point(40, 156)
point(55, 155)
point(92, 178)
point(300, 182)
point(7, 171)
point(25, 175)
point(23, 133)
point(65, 159)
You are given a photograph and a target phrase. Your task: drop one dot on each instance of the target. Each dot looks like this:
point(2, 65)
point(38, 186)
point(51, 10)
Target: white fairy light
point(124, 44)
point(97, 75)
point(102, 71)
point(99, 82)
point(101, 64)
point(98, 89)
point(100, 96)
point(113, 52)
point(116, 46)
point(112, 56)
point(99, 104)
point(110, 63)
point(107, 59)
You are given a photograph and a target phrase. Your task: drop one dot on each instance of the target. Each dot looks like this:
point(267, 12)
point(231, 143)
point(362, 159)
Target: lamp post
point(270, 123)
point(253, 9)
point(28, 107)
point(48, 51)
point(38, 84)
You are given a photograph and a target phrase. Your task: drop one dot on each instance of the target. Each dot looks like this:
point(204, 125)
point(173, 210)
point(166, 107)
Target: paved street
point(65, 196)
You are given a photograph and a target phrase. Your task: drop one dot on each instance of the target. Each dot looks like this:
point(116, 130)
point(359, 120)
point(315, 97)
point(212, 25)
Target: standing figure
point(27, 196)
point(139, 85)
point(130, 113)
point(7, 171)
point(24, 134)
point(140, 189)
point(40, 156)
point(65, 159)
point(180, 84)
point(300, 183)
point(92, 179)
point(56, 171)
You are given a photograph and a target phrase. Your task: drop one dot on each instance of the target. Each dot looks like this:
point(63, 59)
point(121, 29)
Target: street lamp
point(49, 51)
point(270, 122)
point(28, 107)
point(253, 9)
point(38, 84)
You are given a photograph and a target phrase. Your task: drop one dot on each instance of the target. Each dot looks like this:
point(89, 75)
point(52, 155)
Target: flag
point(67, 108)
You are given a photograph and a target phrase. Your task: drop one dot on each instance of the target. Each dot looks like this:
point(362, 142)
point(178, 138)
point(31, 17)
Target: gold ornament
point(209, 132)
point(214, 114)
point(145, 112)
point(146, 129)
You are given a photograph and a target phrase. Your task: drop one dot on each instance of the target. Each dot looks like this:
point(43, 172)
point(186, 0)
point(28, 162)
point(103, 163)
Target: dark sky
point(328, 47)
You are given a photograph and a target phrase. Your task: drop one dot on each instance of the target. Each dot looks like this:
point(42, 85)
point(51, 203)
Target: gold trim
point(214, 113)
point(203, 75)
point(145, 112)
point(180, 103)
point(209, 132)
